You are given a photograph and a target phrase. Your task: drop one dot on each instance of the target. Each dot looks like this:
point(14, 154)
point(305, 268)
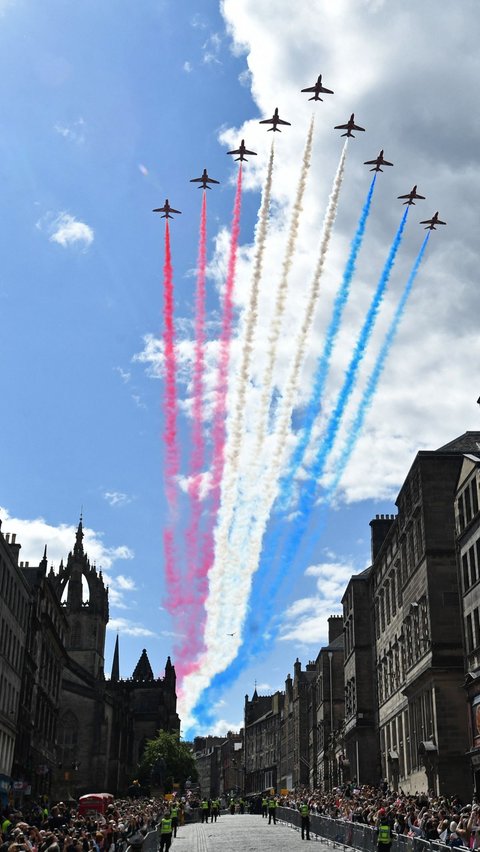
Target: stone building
point(262, 733)
point(14, 617)
point(103, 724)
point(362, 747)
point(418, 652)
point(64, 728)
point(327, 711)
point(45, 656)
point(207, 754)
point(467, 521)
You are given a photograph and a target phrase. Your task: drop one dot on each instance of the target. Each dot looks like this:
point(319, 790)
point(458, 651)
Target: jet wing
point(356, 127)
point(374, 162)
point(314, 89)
point(343, 127)
point(211, 180)
point(281, 121)
point(197, 180)
point(268, 121)
point(238, 151)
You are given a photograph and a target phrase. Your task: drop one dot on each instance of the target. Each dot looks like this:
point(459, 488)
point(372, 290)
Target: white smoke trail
point(276, 322)
point(266, 492)
point(229, 590)
point(235, 432)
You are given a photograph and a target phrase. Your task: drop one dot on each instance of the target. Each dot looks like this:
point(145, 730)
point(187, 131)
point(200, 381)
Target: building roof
point(469, 442)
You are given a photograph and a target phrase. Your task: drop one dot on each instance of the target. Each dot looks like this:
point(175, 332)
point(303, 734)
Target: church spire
point(115, 676)
point(78, 547)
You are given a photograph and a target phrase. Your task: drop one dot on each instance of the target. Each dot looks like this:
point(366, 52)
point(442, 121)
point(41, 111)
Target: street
point(245, 833)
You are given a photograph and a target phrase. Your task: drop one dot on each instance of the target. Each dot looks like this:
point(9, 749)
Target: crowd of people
point(443, 819)
point(61, 828)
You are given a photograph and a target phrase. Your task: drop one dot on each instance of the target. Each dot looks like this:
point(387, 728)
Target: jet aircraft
point(349, 126)
point(378, 163)
point(204, 180)
point(430, 223)
point(317, 88)
point(275, 119)
point(411, 195)
point(166, 210)
point(242, 151)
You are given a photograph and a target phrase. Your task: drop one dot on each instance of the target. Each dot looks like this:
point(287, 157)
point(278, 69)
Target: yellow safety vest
point(166, 826)
point(384, 834)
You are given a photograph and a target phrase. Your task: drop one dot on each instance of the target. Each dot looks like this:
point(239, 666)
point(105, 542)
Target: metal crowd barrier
point(355, 835)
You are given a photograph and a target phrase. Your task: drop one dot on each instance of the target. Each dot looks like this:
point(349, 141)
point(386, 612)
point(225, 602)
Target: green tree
point(166, 760)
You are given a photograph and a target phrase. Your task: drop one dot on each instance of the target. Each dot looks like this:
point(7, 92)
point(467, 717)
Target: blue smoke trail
point(373, 379)
point(341, 299)
point(258, 643)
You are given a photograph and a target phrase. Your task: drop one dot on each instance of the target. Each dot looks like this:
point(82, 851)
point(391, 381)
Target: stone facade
point(467, 522)
point(262, 726)
point(64, 728)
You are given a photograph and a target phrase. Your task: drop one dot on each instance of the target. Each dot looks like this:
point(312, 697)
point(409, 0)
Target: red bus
point(94, 803)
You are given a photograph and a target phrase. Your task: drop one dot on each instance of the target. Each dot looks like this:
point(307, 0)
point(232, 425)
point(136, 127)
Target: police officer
point(305, 815)
point(164, 832)
point(264, 806)
point(174, 815)
point(205, 810)
point(384, 831)
point(215, 809)
point(272, 810)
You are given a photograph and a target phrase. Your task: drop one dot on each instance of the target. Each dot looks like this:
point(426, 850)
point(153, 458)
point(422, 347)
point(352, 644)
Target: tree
point(166, 760)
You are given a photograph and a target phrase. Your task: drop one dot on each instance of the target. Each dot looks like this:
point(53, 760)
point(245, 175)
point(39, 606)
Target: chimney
point(14, 547)
point(380, 526)
point(335, 627)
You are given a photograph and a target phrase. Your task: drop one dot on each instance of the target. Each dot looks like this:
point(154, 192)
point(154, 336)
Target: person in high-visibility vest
point(232, 806)
point(174, 816)
point(264, 806)
point(384, 831)
point(204, 810)
point(305, 815)
point(164, 832)
point(272, 810)
point(242, 805)
point(215, 809)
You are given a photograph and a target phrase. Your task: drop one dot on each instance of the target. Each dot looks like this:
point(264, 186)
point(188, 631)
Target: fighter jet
point(204, 180)
point(317, 88)
point(411, 195)
point(166, 210)
point(275, 119)
point(349, 126)
point(378, 163)
point(242, 151)
point(430, 223)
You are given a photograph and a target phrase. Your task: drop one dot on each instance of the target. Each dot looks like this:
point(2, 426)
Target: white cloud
point(74, 132)
point(117, 498)
point(129, 628)
point(65, 230)
point(125, 375)
point(187, 66)
point(34, 534)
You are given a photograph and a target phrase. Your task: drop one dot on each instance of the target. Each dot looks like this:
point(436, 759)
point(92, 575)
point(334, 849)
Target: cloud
point(117, 498)
point(65, 230)
point(129, 628)
point(34, 534)
point(211, 49)
point(187, 66)
point(74, 132)
point(125, 375)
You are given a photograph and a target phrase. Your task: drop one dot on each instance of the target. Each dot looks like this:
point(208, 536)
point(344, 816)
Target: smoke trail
point(172, 462)
point(258, 643)
point(312, 409)
point(234, 442)
point(276, 323)
point(230, 582)
point(198, 443)
point(373, 379)
point(218, 436)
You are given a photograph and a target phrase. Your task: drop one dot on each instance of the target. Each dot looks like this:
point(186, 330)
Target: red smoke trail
point(194, 638)
point(172, 463)
point(198, 443)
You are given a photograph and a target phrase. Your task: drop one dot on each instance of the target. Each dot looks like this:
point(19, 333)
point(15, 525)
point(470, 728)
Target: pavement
point(242, 833)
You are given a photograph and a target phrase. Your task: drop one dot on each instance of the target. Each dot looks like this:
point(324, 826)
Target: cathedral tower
point(85, 599)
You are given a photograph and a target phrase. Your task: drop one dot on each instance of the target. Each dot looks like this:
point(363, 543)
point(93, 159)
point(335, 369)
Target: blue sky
point(110, 108)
